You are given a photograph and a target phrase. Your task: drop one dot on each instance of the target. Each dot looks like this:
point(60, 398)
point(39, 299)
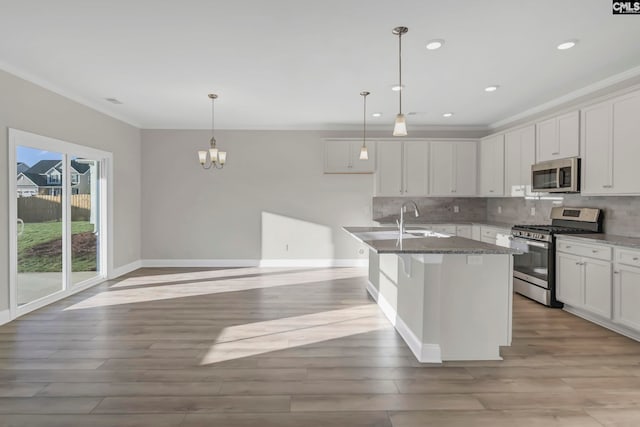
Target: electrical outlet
point(456, 209)
point(533, 211)
point(361, 251)
point(499, 209)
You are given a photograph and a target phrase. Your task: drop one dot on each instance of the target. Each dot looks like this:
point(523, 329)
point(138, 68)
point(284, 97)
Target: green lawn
point(40, 248)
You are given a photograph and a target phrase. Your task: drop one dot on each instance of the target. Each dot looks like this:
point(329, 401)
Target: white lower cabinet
point(584, 281)
point(464, 231)
point(569, 284)
point(599, 288)
point(626, 285)
point(627, 296)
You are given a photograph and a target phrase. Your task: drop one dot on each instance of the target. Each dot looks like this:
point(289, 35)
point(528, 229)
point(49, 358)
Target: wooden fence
point(48, 208)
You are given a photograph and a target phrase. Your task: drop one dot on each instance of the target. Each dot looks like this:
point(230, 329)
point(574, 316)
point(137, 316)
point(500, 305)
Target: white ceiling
point(297, 64)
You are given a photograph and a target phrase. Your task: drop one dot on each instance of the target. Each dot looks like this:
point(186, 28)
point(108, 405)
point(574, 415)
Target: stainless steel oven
point(556, 176)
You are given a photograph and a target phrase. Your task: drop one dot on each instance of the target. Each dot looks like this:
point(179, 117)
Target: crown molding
point(572, 96)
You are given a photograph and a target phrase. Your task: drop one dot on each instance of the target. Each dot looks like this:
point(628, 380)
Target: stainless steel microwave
point(556, 176)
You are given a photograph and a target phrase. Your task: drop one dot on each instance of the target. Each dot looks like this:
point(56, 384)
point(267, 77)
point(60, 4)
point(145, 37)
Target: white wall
point(31, 108)
point(271, 194)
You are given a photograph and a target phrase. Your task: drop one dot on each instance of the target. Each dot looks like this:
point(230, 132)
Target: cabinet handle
point(595, 251)
point(568, 247)
point(577, 263)
point(606, 186)
point(635, 258)
point(490, 191)
point(616, 272)
point(555, 154)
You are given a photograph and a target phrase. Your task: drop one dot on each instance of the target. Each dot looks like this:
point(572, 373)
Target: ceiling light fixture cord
point(364, 119)
point(400, 68)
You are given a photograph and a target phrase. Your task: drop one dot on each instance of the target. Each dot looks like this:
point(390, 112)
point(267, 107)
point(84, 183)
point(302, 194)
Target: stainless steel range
point(534, 274)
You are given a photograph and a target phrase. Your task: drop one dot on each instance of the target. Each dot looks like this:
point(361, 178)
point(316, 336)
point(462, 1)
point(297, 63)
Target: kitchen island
point(450, 298)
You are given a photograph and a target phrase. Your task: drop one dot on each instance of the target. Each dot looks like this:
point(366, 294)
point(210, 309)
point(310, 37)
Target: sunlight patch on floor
point(253, 339)
point(155, 288)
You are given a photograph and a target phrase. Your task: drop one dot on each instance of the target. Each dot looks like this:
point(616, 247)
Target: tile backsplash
point(433, 208)
point(621, 214)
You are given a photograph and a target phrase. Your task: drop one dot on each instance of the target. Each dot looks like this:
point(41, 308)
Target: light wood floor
point(293, 347)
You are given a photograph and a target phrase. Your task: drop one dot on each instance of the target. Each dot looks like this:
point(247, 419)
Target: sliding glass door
point(39, 203)
point(59, 219)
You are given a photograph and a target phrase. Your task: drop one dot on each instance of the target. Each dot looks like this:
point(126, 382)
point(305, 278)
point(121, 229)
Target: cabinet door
point(464, 231)
point(626, 144)
point(514, 186)
point(597, 286)
point(597, 175)
point(416, 168)
point(627, 296)
point(389, 168)
point(569, 134)
point(492, 166)
point(337, 157)
point(441, 173)
point(547, 140)
point(527, 156)
point(465, 173)
point(362, 166)
point(569, 282)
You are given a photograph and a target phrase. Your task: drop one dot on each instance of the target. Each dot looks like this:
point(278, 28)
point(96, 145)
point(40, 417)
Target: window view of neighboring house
point(45, 178)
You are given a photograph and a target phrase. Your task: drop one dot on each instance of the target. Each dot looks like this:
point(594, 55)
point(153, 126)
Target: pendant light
point(364, 154)
point(400, 128)
point(212, 158)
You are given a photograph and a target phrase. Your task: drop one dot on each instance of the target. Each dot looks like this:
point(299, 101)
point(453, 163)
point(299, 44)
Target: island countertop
point(384, 240)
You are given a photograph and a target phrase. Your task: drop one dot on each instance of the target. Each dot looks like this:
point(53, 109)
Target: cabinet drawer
point(627, 256)
point(490, 233)
point(581, 249)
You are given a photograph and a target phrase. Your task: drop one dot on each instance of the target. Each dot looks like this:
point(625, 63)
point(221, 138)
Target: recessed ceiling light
point(435, 44)
point(447, 115)
point(491, 88)
point(377, 114)
point(567, 45)
point(397, 88)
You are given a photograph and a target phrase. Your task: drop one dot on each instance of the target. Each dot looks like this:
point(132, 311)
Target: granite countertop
point(609, 239)
point(390, 244)
point(391, 219)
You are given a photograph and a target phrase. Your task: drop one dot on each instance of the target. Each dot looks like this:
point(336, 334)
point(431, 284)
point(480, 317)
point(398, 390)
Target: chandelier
point(212, 158)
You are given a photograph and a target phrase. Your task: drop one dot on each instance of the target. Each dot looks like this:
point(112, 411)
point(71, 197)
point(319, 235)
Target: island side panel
point(475, 306)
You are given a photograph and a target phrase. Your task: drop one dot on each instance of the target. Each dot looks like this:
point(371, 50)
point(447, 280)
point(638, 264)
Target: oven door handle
point(532, 243)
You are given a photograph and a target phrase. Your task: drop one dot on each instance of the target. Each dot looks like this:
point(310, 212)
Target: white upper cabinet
point(403, 168)
point(492, 166)
point(416, 168)
point(520, 153)
point(343, 156)
point(389, 169)
point(610, 148)
point(452, 167)
point(558, 137)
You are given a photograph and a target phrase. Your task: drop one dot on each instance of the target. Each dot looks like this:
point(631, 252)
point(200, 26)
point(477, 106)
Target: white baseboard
point(5, 316)
point(200, 263)
point(629, 333)
point(425, 353)
point(254, 263)
point(124, 269)
point(321, 262)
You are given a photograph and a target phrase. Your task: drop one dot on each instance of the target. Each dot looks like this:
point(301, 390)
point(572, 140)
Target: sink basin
point(394, 234)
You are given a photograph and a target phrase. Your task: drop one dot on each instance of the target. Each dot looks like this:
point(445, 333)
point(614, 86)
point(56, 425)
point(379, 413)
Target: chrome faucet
point(402, 211)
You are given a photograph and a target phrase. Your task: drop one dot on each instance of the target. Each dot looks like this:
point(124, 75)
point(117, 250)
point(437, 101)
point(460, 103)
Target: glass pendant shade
point(364, 153)
point(400, 128)
point(222, 157)
point(202, 156)
point(213, 153)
